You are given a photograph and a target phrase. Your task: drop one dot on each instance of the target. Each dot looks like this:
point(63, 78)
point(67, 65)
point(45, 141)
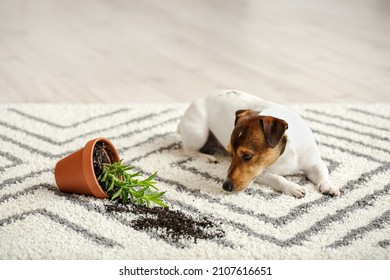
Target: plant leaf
point(117, 194)
point(127, 188)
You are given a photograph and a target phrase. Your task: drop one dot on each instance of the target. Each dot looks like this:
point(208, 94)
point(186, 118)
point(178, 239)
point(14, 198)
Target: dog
point(266, 141)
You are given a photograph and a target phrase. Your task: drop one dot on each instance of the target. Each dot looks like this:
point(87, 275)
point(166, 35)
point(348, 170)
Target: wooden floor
point(175, 50)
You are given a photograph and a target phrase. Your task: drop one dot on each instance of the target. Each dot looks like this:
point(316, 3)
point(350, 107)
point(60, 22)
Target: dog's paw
point(295, 190)
point(214, 161)
point(298, 192)
point(203, 157)
point(328, 188)
point(207, 158)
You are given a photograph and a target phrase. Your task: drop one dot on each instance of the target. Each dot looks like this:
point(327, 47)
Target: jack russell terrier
point(265, 140)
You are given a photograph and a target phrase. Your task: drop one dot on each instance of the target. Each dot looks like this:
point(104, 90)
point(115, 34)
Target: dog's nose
point(227, 186)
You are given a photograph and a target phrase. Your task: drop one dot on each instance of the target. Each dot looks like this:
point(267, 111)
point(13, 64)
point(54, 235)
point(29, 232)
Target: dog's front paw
point(298, 192)
point(295, 190)
point(328, 188)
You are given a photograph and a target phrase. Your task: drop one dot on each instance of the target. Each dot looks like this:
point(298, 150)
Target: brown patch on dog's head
point(256, 143)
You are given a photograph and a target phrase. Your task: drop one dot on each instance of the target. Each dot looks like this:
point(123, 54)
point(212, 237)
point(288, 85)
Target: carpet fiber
point(39, 222)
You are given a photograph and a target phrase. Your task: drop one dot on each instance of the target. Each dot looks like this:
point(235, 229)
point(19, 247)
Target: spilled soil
point(170, 225)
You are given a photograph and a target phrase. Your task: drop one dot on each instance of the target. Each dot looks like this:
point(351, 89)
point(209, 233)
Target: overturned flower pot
point(97, 170)
point(78, 172)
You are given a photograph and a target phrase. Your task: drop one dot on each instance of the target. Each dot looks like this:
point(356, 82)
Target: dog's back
point(215, 113)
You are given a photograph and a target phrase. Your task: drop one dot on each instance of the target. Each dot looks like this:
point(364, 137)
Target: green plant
point(124, 186)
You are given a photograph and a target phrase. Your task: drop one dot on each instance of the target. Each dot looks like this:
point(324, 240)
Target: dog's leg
point(319, 175)
point(194, 133)
point(281, 184)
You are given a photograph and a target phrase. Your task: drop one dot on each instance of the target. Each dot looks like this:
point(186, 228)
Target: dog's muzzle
point(227, 185)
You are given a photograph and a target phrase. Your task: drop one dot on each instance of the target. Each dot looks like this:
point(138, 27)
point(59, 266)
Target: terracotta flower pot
point(76, 174)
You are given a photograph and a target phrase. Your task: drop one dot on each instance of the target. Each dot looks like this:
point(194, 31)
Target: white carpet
point(39, 222)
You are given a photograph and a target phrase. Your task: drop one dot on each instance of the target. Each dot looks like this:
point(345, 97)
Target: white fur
point(216, 113)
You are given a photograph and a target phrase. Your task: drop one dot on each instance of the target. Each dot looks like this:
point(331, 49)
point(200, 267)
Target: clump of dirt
point(170, 225)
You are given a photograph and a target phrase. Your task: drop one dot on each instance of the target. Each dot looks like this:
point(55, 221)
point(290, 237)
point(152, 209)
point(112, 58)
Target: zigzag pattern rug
point(39, 222)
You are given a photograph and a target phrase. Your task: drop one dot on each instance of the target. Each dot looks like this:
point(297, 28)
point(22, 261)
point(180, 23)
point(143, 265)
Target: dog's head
point(256, 142)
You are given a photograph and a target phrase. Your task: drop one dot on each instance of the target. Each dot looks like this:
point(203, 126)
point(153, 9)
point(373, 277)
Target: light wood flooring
point(175, 50)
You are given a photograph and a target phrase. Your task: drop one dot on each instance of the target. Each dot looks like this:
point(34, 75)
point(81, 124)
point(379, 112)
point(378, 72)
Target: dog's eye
point(246, 157)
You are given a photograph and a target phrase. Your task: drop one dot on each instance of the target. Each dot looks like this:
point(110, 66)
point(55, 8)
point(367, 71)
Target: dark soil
point(170, 225)
point(101, 155)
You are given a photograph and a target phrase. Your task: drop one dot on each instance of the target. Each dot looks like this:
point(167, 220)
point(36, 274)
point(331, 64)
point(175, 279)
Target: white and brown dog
point(265, 140)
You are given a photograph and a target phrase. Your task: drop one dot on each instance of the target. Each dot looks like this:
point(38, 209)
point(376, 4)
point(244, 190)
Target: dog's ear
point(244, 113)
point(274, 129)
point(239, 114)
